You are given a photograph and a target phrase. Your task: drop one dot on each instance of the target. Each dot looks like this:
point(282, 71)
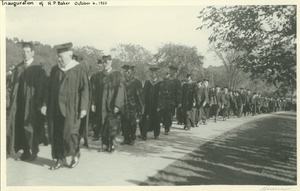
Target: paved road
point(128, 165)
point(259, 152)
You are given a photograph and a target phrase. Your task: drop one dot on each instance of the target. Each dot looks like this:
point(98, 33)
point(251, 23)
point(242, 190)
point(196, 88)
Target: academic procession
point(62, 106)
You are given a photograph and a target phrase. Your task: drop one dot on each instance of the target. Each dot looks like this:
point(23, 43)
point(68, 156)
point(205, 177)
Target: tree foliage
point(134, 55)
point(265, 34)
point(186, 58)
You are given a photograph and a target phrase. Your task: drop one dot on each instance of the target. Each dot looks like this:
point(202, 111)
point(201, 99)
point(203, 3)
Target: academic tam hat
point(105, 57)
point(127, 67)
point(27, 44)
point(153, 69)
point(63, 47)
point(172, 67)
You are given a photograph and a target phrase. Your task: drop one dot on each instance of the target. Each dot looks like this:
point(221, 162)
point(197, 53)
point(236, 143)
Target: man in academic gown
point(169, 98)
point(205, 105)
point(189, 102)
point(199, 94)
point(96, 88)
point(68, 104)
point(133, 108)
point(150, 120)
point(25, 123)
point(220, 98)
point(226, 103)
point(108, 98)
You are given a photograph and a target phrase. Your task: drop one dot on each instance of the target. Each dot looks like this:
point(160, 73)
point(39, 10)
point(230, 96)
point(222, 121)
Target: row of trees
point(186, 58)
point(260, 40)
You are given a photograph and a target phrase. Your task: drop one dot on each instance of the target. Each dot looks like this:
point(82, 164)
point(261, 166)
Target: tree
point(186, 58)
point(134, 55)
point(265, 34)
point(90, 56)
point(229, 59)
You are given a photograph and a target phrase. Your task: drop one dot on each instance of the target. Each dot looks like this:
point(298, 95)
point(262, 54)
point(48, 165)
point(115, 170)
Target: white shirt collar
point(28, 62)
point(108, 71)
point(70, 65)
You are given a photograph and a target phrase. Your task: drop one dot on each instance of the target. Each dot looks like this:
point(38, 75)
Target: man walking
point(169, 98)
point(150, 120)
point(107, 101)
point(25, 123)
point(133, 108)
point(189, 102)
point(69, 99)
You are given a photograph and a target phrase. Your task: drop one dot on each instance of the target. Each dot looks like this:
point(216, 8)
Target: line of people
point(110, 102)
point(201, 103)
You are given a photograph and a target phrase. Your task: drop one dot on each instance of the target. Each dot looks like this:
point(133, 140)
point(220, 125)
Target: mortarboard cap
point(105, 57)
point(27, 44)
point(153, 69)
point(172, 67)
point(63, 47)
point(205, 79)
point(217, 86)
point(127, 67)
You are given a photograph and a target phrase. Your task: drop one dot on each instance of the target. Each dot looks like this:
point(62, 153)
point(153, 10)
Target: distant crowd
point(110, 102)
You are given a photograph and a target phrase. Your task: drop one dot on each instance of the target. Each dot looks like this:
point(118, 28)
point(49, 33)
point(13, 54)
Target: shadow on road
point(40, 161)
point(177, 140)
point(261, 152)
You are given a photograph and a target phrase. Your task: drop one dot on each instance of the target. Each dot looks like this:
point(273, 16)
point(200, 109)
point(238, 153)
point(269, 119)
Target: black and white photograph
point(100, 93)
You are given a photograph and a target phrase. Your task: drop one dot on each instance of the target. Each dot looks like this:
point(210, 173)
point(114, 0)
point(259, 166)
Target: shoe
point(112, 149)
point(140, 136)
point(56, 166)
point(125, 142)
point(74, 162)
point(32, 157)
point(166, 133)
point(156, 137)
point(132, 142)
point(96, 138)
point(24, 157)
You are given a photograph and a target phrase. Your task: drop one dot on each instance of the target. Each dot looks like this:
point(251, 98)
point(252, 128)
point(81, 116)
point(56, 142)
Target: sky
point(105, 27)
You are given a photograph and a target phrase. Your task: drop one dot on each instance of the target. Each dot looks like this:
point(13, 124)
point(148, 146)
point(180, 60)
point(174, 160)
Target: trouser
point(110, 128)
point(206, 110)
point(246, 109)
point(258, 109)
point(65, 139)
point(166, 114)
point(96, 123)
point(226, 111)
point(254, 109)
point(129, 128)
point(150, 122)
point(217, 111)
point(83, 129)
point(179, 115)
point(240, 110)
point(29, 134)
point(197, 115)
point(214, 111)
point(190, 118)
